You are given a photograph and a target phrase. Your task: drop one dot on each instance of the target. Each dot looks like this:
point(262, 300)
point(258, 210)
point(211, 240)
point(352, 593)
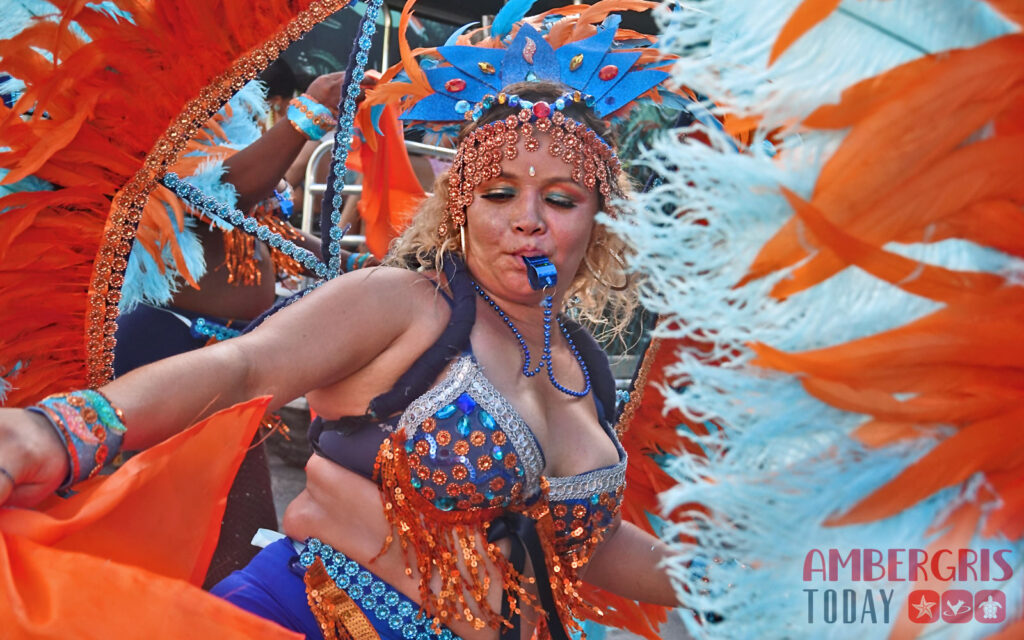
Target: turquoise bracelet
point(309, 117)
point(90, 427)
point(356, 261)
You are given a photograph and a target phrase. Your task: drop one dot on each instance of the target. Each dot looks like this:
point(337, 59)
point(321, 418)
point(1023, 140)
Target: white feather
point(784, 461)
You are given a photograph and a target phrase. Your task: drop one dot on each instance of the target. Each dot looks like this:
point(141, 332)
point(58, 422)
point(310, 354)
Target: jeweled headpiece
point(602, 68)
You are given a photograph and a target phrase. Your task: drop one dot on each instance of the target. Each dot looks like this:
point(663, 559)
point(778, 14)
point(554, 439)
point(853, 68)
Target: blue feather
point(784, 459)
point(112, 10)
point(375, 112)
point(458, 32)
point(510, 14)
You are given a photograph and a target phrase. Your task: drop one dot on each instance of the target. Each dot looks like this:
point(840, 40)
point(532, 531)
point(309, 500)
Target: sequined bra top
point(467, 447)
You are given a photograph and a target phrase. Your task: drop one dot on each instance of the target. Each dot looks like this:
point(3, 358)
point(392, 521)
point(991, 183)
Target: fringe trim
point(438, 540)
point(340, 618)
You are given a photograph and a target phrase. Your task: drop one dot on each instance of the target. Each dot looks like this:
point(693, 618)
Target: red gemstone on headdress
point(541, 109)
point(608, 72)
point(455, 85)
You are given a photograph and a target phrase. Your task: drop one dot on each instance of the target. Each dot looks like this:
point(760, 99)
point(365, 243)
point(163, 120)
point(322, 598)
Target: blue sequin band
point(373, 595)
point(214, 209)
point(343, 135)
point(203, 328)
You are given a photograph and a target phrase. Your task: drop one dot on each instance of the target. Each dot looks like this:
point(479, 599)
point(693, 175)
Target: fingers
point(7, 483)
point(33, 461)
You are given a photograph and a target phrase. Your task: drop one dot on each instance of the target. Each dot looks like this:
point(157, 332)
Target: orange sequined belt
point(351, 603)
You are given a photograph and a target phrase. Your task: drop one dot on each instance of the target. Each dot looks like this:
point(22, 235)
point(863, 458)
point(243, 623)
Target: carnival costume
point(569, 513)
point(894, 418)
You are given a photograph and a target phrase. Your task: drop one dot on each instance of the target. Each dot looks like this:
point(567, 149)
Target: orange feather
point(806, 16)
point(947, 99)
point(986, 445)
point(925, 280)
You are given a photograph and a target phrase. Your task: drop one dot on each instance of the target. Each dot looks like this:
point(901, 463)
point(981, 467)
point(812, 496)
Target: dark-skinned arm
point(255, 170)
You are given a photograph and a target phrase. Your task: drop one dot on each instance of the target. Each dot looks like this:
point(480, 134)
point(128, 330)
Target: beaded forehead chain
point(593, 161)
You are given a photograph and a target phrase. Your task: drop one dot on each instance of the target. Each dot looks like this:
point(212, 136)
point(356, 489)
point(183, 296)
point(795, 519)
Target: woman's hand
point(33, 457)
point(326, 90)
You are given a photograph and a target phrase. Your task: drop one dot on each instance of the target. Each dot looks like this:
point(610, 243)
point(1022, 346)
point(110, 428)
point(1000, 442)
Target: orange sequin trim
point(119, 231)
point(446, 547)
point(337, 614)
point(592, 163)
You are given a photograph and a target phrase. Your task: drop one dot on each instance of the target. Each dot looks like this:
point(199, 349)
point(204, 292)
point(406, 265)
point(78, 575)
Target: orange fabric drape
point(123, 556)
point(391, 191)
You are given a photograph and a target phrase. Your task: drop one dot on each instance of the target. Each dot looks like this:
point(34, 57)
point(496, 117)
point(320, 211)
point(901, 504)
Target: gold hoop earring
point(462, 239)
point(617, 258)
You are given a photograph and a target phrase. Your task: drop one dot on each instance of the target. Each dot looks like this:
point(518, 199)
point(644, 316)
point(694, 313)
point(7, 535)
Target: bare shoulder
point(391, 290)
point(382, 303)
point(368, 316)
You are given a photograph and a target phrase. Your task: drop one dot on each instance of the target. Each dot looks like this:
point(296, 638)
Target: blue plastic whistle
point(541, 272)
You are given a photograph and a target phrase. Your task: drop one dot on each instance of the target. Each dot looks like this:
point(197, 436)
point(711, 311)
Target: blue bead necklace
point(545, 358)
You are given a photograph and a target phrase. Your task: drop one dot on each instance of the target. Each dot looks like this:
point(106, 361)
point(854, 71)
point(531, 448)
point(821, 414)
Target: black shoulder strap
point(452, 342)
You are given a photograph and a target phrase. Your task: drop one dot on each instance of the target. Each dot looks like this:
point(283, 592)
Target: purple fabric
point(270, 588)
point(147, 334)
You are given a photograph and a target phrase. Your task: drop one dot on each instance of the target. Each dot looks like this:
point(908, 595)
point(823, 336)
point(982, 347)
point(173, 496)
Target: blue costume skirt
point(272, 587)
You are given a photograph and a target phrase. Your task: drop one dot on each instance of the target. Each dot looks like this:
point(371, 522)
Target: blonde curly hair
point(602, 295)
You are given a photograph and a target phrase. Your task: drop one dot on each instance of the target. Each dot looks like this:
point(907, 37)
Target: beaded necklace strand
point(545, 358)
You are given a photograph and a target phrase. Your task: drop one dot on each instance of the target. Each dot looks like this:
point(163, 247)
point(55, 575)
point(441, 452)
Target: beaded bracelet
point(356, 261)
point(203, 328)
point(309, 117)
point(90, 427)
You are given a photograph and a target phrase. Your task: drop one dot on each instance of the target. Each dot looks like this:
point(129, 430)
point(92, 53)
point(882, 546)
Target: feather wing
point(852, 285)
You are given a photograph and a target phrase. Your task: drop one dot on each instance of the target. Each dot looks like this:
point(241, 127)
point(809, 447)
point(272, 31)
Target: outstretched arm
point(256, 169)
point(328, 336)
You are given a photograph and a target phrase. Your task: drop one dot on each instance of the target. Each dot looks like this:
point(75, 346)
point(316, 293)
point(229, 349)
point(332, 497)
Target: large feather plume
point(847, 293)
point(102, 82)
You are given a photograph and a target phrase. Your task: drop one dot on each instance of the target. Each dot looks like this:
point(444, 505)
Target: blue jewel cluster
point(545, 358)
point(203, 328)
point(372, 594)
point(212, 208)
point(465, 408)
point(344, 135)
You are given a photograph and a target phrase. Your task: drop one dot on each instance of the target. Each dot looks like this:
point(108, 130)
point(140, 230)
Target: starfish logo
point(924, 606)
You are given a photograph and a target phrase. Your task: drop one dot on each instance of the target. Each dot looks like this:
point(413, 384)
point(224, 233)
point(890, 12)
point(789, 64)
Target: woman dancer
point(466, 464)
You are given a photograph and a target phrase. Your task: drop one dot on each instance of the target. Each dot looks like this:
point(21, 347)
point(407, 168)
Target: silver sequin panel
point(467, 376)
point(585, 485)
